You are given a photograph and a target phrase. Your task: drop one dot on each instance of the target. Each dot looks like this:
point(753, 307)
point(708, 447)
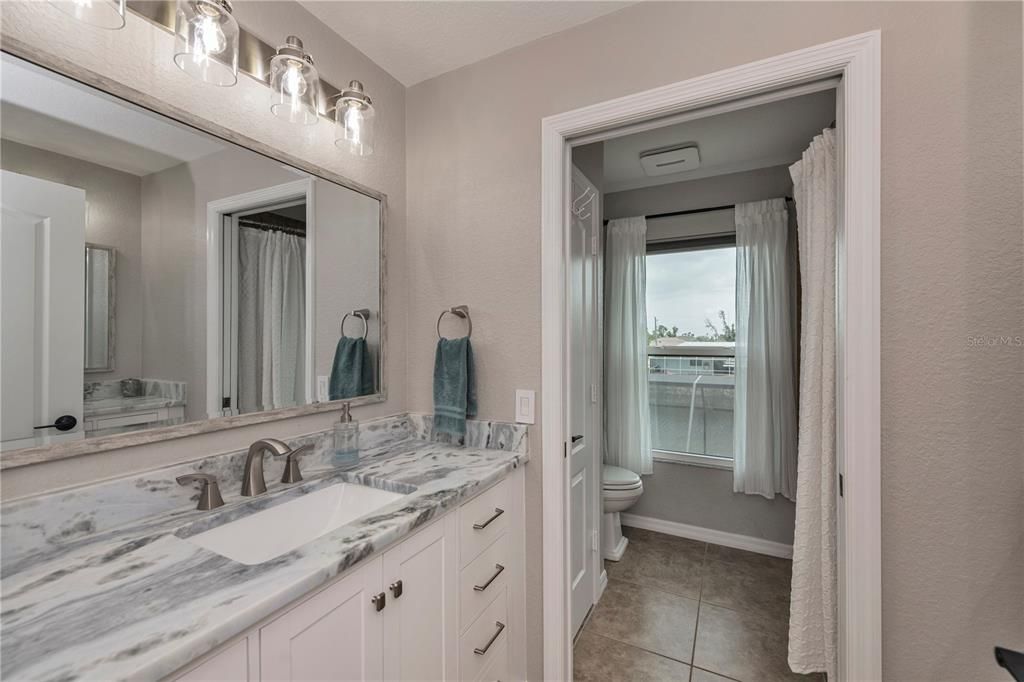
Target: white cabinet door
point(42, 272)
point(333, 635)
point(419, 621)
point(230, 665)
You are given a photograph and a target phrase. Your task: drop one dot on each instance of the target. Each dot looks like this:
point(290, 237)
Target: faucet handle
point(209, 494)
point(291, 466)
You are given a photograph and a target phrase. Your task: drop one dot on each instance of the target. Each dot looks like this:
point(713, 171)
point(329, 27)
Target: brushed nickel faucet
point(209, 494)
point(253, 482)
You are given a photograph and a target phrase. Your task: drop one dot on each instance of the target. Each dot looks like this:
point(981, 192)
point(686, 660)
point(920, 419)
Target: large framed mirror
point(248, 287)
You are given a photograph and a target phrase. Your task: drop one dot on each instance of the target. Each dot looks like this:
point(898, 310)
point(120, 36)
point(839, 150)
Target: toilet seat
point(618, 479)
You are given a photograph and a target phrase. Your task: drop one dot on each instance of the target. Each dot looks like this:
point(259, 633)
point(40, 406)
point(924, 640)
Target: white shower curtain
point(764, 431)
point(627, 412)
point(813, 611)
point(271, 319)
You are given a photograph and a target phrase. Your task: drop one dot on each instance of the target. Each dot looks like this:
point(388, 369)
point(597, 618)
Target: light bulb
point(353, 122)
point(210, 39)
point(294, 84)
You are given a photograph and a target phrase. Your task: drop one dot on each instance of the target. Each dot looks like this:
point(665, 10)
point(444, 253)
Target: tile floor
point(687, 611)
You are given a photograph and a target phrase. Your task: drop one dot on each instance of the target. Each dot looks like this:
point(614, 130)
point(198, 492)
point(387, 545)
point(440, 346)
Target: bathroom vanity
point(120, 580)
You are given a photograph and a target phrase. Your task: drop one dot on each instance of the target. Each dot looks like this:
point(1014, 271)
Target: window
point(691, 331)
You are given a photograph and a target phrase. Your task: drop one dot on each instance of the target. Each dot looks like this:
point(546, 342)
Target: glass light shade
point(107, 14)
point(294, 84)
point(354, 117)
point(206, 41)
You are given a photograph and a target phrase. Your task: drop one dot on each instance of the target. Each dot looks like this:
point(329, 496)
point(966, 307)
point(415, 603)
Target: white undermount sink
point(278, 530)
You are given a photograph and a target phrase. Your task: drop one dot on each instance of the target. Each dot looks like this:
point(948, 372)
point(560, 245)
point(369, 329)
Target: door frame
point(302, 190)
point(857, 61)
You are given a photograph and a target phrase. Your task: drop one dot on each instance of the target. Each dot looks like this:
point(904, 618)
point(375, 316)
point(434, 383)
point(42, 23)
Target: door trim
point(856, 60)
point(304, 190)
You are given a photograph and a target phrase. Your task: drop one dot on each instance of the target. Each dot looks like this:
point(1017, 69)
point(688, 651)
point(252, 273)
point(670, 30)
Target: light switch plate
point(525, 406)
point(322, 390)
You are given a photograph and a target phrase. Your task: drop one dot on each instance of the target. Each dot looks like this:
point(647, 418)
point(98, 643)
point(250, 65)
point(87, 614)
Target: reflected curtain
point(627, 410)
point(271, 319)
point(813, 608)
point(765, 443)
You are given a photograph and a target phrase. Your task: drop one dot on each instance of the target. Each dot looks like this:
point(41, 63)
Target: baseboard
point(602, 583)
point(718, 537)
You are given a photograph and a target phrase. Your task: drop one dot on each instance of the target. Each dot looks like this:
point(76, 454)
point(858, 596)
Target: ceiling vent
point(668, 160)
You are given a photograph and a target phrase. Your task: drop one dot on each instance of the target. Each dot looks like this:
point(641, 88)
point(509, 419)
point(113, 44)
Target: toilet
point(620, 489)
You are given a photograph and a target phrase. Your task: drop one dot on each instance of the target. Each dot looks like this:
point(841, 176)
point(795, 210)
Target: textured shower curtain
point(271, 320)
point(627, 411)
point(813, 614)
point(764, 431)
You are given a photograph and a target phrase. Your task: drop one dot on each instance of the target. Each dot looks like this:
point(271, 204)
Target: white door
point(584, 474)
point(334, 635)
point(42, 284)
point(420, 576)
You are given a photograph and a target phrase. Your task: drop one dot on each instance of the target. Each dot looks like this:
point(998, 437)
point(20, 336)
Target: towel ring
point(458, 311)
point(363, 314)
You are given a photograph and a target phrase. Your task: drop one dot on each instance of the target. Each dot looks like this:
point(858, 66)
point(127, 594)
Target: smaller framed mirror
point(100, 301)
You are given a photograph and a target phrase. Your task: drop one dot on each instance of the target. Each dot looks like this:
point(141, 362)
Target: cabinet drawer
point(485, 640)
point(482, 520)
point(497, 669)
point(486, 576)
point(230, 665)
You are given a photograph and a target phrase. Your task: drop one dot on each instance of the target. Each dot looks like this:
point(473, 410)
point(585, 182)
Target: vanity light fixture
point(206, 41)
point(354, 116)
point(294, 84)
point(107, 14)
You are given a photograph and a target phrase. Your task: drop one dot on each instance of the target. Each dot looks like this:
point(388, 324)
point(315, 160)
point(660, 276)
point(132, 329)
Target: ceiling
point(757, 137)
point(415, 41)
point(49, 112)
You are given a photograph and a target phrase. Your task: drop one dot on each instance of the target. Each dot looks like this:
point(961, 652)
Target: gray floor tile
point(599, 659)
point(658, 621)
point(745, 581)
point(745, 646)
point(661, 561)
point(699, 675)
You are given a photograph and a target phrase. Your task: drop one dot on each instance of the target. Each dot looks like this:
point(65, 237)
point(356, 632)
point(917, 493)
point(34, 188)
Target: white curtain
point(764, 420)
point(813, 610)
point(627, 413)
point(271, 319)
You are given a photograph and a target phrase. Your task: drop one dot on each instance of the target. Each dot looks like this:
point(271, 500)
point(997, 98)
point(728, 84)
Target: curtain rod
point(692, 211)
point(263, 225)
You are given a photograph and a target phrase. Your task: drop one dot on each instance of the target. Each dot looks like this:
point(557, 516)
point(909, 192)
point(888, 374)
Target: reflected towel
point(454, 386)
point(351, 374)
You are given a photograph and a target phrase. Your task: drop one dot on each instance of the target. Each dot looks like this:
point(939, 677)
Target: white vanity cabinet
point(435, 606)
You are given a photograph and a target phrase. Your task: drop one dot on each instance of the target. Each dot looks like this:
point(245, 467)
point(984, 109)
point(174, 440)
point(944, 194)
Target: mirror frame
point(111, 308)
point(144, 103)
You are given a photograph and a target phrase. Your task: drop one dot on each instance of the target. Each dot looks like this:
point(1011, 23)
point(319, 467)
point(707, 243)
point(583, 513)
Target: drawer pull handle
point(379, 601)
point(481, 588)
point(480, 526)
point(480, 652)
point(396, 589)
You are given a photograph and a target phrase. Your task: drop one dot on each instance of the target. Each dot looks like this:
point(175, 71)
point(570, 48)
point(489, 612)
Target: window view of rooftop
point(692, 337)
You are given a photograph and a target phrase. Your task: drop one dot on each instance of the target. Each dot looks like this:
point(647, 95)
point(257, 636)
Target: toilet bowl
point(620, 489)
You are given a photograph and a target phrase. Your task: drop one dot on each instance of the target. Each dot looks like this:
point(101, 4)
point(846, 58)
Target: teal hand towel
point(454, 386)
point(351, 374)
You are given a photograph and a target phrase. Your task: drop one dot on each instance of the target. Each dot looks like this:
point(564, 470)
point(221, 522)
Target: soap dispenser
point(346, 438)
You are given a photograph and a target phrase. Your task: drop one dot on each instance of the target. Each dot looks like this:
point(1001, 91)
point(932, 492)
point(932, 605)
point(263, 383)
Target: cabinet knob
point(396, 589)
point(379, 600)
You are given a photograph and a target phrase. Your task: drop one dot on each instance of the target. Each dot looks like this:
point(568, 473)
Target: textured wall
point(113, 210)
point(139, 56)
point(951, 267)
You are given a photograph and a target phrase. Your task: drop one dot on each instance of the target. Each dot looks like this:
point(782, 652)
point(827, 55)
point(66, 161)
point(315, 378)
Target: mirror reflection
point(217, 281)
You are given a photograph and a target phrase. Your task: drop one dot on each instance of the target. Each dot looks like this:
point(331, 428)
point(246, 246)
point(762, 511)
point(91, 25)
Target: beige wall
point(113, 210)
point(139, 56)
point(951, 250)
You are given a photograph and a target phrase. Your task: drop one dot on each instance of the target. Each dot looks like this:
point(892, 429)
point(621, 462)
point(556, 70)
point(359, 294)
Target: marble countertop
point(104, 406)
point(94, 600)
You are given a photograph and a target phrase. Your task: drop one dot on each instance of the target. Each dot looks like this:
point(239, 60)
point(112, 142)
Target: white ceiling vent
point(668, 160)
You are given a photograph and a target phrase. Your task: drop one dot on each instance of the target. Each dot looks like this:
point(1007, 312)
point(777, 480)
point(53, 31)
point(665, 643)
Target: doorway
point(855, 61)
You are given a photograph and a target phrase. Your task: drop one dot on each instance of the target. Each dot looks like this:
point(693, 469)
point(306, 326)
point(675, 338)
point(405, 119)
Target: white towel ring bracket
point(458, 311)
point(363, 314)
